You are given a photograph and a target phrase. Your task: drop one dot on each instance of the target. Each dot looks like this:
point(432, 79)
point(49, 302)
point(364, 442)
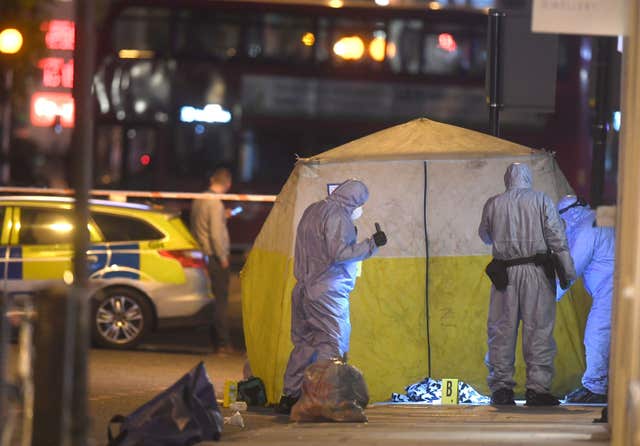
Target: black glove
point(379, 238)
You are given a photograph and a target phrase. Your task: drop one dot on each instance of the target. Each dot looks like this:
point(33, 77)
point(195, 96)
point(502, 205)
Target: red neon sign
point(56, 72)
point(67, 74)
point(60, 34)
point(447, 42)
point(47, 106)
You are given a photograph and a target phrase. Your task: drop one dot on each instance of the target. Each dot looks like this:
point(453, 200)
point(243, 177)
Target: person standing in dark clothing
point(209, 227)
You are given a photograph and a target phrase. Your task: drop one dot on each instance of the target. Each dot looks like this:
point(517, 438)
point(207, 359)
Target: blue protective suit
point(325, 266)
point(593, 252)
point(521, 223)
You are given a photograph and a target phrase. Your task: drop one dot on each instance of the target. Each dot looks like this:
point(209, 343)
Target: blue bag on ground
point(182, 415)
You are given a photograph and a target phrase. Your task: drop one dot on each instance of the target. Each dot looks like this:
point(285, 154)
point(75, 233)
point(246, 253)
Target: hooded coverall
point(593, 252)
point(325, 267)
point(520, 223)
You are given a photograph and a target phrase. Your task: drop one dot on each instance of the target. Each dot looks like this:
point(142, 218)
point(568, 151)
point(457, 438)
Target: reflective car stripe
point(7, 224)
point(125, 262)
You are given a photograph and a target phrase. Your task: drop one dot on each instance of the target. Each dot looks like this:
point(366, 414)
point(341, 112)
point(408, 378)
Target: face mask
point(356, 214)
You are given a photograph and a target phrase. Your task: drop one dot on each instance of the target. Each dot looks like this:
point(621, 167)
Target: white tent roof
point(423, 139)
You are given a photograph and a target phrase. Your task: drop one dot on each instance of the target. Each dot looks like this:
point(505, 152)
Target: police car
point(145, 268)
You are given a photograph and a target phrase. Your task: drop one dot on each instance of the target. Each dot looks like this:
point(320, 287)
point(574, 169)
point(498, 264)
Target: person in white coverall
point(325, 265)
point(593, 251)
point(523, 226)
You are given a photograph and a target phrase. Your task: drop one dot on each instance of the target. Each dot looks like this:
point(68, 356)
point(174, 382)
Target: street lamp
point(10, 41)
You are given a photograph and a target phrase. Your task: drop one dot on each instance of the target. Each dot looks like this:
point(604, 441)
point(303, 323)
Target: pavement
point(419, 424)
point(121, 381)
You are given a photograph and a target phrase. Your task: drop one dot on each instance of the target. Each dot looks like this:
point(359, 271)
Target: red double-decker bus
point(185, 86)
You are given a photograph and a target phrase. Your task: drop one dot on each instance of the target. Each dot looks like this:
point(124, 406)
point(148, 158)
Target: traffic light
point(10, 41)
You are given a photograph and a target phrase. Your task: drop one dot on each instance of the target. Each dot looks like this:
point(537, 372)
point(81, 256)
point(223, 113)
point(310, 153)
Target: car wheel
point(121, 317)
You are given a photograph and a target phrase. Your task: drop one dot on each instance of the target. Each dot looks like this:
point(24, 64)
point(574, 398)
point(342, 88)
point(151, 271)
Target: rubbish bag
point(182, 415)
point(332, 390)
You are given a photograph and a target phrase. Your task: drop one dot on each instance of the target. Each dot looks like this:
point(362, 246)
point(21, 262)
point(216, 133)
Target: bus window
point(139, 89)
point(203, 34)
point(357, 41)
point(403, 48)
point(451, 53)
point(280, 37)
point(142, 29)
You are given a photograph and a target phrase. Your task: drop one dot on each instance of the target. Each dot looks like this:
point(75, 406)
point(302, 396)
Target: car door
point(6, 221)
point(41, 247)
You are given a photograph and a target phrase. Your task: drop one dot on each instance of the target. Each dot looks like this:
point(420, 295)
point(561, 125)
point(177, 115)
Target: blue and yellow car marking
point(14, 269)
point(12, 266)
point(124, 263)
point(132, 261)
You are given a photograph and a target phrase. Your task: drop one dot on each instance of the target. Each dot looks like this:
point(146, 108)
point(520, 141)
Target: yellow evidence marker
point(449, 391)
point(230, 393)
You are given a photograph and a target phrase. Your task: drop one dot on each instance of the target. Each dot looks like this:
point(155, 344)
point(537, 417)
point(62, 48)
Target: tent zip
point(426, 275)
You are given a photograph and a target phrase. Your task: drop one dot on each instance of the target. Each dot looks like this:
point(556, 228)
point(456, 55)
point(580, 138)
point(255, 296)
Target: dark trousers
point(220, 287)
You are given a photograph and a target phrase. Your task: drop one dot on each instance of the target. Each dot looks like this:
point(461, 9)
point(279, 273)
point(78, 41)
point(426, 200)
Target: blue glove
point(559, 291)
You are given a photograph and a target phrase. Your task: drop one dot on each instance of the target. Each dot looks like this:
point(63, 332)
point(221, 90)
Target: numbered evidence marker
point(449, 391)
point(230, 393)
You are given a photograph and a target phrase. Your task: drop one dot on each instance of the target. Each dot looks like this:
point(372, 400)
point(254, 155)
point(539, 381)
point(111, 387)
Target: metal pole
point(5, 173)
point(4, 297)
point(77, 335)
point(4, 349)
point(494, 67)
point(48, 373)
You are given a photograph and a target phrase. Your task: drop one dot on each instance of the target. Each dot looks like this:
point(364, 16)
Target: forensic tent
point(420, 306)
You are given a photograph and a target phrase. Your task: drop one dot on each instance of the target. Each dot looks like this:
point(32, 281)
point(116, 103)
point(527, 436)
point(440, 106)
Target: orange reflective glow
point(46, 106)
point(391, 50)
point(376, 49)
point(135, 54)
point(308, 39)
point(10, 41)
point(349, 48)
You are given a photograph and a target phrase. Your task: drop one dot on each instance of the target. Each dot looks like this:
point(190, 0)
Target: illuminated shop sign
point(56, 72)
point(53, 108)
point(46, 106)
point(59, 34)
point(211, 113)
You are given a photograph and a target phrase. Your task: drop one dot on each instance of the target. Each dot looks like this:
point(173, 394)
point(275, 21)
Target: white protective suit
point(325, 265)
point(593, 251)
point(521, 223)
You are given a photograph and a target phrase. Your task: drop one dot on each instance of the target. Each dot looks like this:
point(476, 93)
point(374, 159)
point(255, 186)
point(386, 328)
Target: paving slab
point(402, 424)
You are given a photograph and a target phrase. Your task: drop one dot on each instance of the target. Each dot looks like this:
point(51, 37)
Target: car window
point(118, 228)
point(45, 226)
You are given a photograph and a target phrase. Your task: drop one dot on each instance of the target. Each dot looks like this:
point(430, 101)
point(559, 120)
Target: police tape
point(122, 195)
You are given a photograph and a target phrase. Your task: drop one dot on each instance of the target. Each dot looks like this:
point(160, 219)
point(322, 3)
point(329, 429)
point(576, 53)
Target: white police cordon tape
point(122, 195)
